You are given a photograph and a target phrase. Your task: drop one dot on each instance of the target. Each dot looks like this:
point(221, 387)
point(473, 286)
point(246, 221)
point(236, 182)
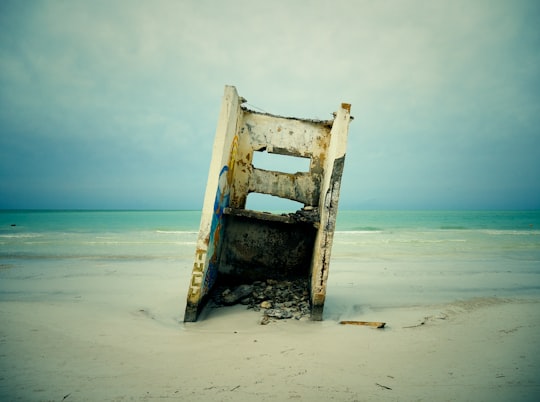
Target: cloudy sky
point(114, 104)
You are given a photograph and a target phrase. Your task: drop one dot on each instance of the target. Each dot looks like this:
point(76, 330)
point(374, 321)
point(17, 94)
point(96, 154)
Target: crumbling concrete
point(237, 246)
point(276, 300)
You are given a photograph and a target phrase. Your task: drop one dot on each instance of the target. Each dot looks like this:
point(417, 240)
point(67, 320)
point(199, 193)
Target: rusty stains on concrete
point(237, 245)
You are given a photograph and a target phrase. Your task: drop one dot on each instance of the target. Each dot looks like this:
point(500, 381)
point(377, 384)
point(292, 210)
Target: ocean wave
point(20, 235)
point(427, 241)
point(400, 241)
point(364, 229)
point(149, 243)
point(495, 232)
point(96, 257)
point(346, 232)
point(187, 232)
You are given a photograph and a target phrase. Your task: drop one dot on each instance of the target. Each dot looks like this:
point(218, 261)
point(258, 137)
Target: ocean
point(380, 258)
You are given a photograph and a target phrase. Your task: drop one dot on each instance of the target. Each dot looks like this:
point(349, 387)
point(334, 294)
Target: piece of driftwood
point(374, 324)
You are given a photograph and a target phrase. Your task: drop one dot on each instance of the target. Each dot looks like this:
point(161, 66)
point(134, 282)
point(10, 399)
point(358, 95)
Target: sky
point(114, 104)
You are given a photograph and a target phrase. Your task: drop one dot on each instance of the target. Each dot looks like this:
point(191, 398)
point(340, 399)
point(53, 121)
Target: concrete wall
point(236, 245)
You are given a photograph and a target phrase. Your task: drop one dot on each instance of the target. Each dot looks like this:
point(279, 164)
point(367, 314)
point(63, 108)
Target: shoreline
point(477, 349)
point(112, 330)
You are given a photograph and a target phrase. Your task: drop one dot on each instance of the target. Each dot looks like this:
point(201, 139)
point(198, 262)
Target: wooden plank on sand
point(374, 324)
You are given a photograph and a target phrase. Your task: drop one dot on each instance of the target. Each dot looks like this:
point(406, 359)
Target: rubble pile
point(276, 299)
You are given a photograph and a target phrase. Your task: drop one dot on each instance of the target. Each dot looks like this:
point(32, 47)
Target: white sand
point(114, 335)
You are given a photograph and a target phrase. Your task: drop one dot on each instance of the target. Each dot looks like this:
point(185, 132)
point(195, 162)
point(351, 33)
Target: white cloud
point(431, 83)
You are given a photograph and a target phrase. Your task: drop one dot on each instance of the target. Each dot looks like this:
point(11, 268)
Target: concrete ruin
point(236, 245)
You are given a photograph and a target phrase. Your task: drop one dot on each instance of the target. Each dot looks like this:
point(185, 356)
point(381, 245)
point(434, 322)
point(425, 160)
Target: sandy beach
point(116, 334)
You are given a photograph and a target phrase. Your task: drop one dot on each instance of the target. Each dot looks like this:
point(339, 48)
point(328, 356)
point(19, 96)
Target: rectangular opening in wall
point(271, 203)
point(281, 163)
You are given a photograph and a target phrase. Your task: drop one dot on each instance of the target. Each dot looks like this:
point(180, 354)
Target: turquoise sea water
point(426, 253)
point(171, 234)
point(129, 235)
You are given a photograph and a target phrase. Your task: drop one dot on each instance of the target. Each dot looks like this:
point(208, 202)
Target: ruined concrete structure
point(237, 245)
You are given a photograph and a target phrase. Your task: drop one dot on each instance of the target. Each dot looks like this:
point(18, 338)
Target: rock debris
point(277, 300)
